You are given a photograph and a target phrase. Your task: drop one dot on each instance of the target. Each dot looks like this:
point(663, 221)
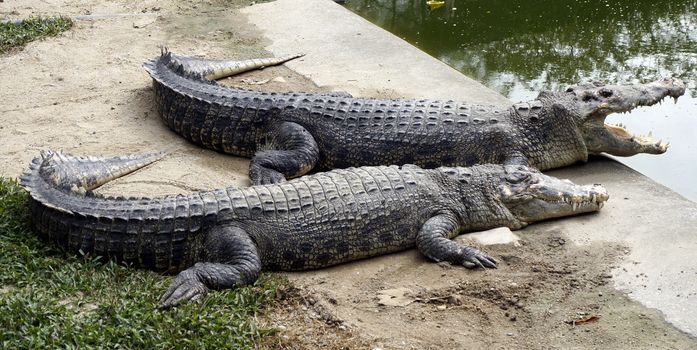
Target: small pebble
point(454, 300)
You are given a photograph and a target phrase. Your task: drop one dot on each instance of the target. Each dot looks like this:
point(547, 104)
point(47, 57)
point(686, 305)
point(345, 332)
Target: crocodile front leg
point(231, 260)
point(290, 151)
point(433, 241)
point(516, 158)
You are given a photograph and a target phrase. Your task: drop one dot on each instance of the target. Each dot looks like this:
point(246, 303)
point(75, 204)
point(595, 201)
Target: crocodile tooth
point(650, 134)
point(574, 206)
point(600, 205)
point(594, 199)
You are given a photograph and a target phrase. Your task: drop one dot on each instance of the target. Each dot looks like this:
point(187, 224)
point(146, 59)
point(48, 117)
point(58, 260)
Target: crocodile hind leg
point(290, 151)
point(231, 260)
point(433, 241)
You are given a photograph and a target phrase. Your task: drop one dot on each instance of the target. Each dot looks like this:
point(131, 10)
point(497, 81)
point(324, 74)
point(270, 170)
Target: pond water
point(519, 47)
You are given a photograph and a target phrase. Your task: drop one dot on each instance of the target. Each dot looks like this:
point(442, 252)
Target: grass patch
point(16, 35)
point(50, 299)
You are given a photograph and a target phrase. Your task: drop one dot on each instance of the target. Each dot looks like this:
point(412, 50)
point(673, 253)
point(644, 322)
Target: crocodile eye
point(570, 89)
point(605, 92)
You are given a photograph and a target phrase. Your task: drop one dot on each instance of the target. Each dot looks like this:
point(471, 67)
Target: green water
point(520, 47)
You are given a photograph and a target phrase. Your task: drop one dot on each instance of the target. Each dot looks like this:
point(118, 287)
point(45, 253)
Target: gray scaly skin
point(224, 238)
point(289, 134)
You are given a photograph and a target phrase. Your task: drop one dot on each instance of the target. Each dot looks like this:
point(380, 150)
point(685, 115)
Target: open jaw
point(644, 143)
point(598, 101)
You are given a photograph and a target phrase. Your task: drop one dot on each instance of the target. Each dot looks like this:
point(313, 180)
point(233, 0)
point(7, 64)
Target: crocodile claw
point(267, 177)
point(186, 287)
point(474, 258)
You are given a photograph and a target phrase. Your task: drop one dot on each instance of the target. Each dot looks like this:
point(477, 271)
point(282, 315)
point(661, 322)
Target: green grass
point(50, 299)
point(16, 35)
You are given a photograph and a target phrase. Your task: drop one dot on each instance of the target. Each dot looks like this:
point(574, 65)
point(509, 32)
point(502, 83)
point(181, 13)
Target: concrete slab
point(656, 224)
point(349, 53)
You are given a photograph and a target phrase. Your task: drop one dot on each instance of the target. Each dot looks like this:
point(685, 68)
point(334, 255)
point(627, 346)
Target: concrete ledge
point(349, 53)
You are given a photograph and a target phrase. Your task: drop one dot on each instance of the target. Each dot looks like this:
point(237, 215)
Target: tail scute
point(206, 69)
point(82, 174)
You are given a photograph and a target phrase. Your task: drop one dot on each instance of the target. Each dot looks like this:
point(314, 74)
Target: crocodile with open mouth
point(223, 238)
point(289, 134)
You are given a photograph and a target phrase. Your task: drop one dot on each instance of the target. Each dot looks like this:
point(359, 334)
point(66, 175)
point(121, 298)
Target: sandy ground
point(86, 93)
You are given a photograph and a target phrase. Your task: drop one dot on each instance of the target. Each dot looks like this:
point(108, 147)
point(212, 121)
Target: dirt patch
point(305, 323)
point(86, 93)
point(543, 285)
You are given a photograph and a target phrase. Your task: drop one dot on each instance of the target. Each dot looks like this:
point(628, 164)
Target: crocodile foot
point(186, 287)
point(267, 177)
point(473, 258)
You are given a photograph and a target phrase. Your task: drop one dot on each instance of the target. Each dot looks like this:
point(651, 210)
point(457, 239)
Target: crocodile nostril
point(588, 97)
point(605, 92)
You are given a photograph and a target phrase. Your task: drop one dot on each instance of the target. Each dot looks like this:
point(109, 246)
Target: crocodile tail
point(80, 175)
point(65, 212)
point(201, 68)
